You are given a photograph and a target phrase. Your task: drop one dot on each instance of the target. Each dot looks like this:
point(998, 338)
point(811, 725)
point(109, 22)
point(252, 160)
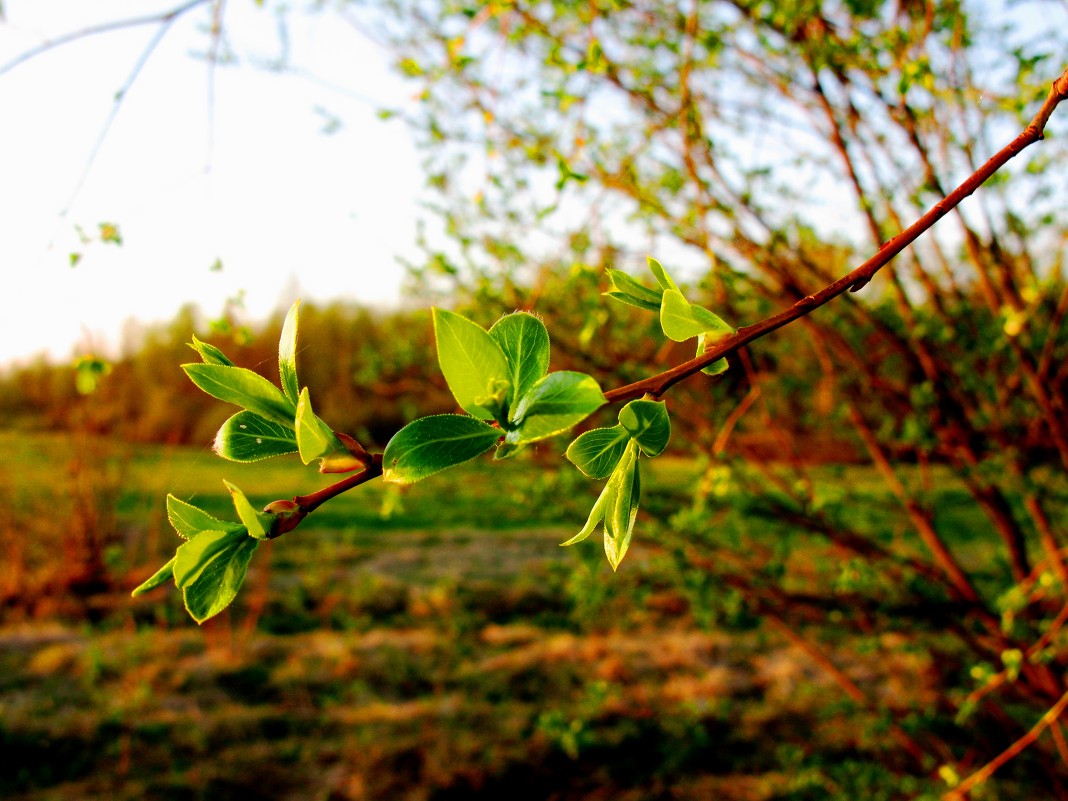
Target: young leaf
point(314, 437)
point(596, 452)
point(247, 437)
point(596, 515)
point(210, 354)
point(556, 403)
point(161, 576)
point(470, 360)
point(209, 570)
point(662, 277)
point(622, 511)
point(287, 355)
point(682, 320)
point(189, 521)
point(257, 523)
point(525, 343)
point(648, 424)
point(243, 388)
point(704, 342)
point(429, 444)
point(627, 290)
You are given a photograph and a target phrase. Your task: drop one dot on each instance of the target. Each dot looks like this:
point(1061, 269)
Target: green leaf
point(525, 343)
point(287, 355)
point(621, 509)
point(662, 277)
point(314, 437)
point(471, 361)
point(161, 576)
point(257, 523)
point(627, 290)
point(247, 437)
point(596, 452)
point(704, 342)
point(430, 444)
point(209, 354)
point(555, 404)
point(209, 570)
point(682, 320)
point(189, 521)
point(596, 516)
point(243, 388)
point(648, 424)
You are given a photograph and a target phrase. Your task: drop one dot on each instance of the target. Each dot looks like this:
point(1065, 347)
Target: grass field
point(430, 643)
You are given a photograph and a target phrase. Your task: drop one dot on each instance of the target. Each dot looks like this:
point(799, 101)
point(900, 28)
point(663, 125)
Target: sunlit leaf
point(257, 523)
point(247, 437)
point(243, 388)
point(314, 437)
point(160, 577)
point(287, 355)
point(471, 361)
point(210, 568)
point(189, 521)
point(555, 404)
point(525, 343)
point(648, 424)
point(209, 354)
point(430, 444)
point(596, 452)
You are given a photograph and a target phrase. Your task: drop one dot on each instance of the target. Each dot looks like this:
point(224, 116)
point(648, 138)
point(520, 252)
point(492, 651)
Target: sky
point(293, 183)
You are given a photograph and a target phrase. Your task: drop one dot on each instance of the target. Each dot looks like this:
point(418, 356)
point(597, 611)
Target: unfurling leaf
point(682, 320)
point(661, 275)
point(160, 577)
point(553, 405)
point(627, 290)
point(470, 359)
point(287, 355)
point(525, 343)
point(210, 568)
point(314, 437)
point(188, 520)
point(243, 388)
point(209, 354)
point(247, 437)
point(597, 452)
point(622, 506)
point(648, 424)
point(258, 524)
point(704, 342)
point(430, 444)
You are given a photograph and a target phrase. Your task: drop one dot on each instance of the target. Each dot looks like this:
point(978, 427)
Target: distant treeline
point(372, 371)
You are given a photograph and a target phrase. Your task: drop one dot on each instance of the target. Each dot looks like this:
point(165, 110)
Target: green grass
point(433, 642)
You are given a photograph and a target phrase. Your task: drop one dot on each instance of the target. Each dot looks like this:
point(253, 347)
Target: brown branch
point(960, 792)
point(858, 278)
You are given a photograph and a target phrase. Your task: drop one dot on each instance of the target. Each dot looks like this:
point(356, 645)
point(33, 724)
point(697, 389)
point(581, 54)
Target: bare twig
point(960, 792)
point(858, 278)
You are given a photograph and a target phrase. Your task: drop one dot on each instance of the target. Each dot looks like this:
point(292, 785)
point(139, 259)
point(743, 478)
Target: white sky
point(287, 208)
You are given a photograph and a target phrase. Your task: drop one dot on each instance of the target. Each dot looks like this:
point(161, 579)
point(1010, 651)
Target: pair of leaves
point(274, 422)
point(616, 507)
point(644, 428)
point(679, 319)
point(644, 422)
point(500, 375)
point(210, 566)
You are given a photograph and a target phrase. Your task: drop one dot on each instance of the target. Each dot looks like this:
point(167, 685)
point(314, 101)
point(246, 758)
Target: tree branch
point(858, 278)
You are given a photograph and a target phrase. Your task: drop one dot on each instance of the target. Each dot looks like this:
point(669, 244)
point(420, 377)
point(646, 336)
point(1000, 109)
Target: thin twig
point(960, 792)
point(858, 278)
point(155, 19)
